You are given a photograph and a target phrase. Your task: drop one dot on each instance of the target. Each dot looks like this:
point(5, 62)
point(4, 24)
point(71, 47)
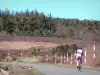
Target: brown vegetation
point(15, 70)
point(20, 43)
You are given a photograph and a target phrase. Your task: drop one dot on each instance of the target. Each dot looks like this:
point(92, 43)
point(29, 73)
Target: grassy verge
point(59, 65)
point(31, 71)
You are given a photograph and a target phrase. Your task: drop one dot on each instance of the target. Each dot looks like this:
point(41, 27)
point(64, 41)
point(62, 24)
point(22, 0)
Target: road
point(56, 70)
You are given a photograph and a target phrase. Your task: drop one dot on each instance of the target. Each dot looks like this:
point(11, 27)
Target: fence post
point(94, 55)
point(85, 58)
point(21, 57)
point(75, 59)
point(55, 59)
point(8, 58)
point(34, 58)
point(64, 59)
point(47, 58)
point(71, 60)
point(61, 59)
point(67, 58)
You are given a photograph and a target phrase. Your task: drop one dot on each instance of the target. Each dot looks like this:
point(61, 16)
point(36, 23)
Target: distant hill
point(33, 23)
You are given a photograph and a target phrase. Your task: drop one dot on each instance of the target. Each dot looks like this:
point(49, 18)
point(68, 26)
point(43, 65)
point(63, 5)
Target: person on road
point(78, 55)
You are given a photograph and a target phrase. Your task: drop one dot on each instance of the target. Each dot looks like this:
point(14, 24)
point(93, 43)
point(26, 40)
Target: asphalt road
point(56, 70)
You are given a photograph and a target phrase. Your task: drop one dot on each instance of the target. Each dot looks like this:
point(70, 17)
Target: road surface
point(56, 70)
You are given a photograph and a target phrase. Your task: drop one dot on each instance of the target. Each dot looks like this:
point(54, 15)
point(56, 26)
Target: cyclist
point(78, 56)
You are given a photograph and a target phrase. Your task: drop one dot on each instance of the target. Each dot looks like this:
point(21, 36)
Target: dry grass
point(15, 70)
point(21, 42)
point(24, 45)
point(18, 70)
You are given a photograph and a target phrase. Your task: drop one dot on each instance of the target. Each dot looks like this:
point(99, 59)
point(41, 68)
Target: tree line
point(33, 23)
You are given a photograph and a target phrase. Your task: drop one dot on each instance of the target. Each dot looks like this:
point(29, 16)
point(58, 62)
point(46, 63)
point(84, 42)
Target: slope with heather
point(16, 44)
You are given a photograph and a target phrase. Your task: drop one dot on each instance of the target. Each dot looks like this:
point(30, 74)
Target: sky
point(80, 9)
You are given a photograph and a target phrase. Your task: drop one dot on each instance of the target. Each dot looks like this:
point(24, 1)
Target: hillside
point(21, 42)
point(33, 23)
point(16, 44)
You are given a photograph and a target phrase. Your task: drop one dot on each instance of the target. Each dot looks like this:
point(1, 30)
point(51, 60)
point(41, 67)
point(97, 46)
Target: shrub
point(2, 56)
point(63, 49)
point(14, 58)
